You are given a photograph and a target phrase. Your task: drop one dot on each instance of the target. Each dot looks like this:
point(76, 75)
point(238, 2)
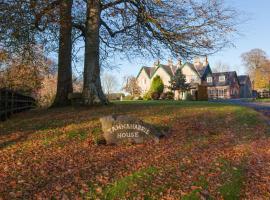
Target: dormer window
point(221, 78)
point(209, 79)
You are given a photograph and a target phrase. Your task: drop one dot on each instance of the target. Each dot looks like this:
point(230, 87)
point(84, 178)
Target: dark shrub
point(169, 95)
point(190, 97)
point(140, 98)
point(163, 96)
point(155, 95)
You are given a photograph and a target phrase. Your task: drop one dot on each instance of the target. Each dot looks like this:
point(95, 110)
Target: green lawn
point(211, 151)
point(263, 100)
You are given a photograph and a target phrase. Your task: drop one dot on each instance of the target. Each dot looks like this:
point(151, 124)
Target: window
point(221, 78)
point(225, 92)
point(221, 93)
point(209, 79)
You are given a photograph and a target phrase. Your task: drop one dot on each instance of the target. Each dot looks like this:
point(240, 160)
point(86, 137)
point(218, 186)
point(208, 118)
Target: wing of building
point(223, 85)
point(245, 86)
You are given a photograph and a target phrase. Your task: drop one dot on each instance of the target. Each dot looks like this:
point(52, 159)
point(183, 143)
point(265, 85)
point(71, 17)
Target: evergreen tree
point(178, 81)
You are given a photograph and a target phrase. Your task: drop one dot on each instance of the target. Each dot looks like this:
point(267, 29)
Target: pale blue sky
point(255, 34)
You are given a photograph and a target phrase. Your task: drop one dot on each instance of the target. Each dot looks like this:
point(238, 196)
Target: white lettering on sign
point(128, 135)
point(137, 127)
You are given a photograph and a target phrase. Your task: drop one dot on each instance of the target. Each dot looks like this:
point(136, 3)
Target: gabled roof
point(201, 70)
point(243, 79)
point(168, 69)
point(229, 78)
point(150, 71)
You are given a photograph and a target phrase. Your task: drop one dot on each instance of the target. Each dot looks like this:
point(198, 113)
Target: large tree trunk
point(92, 90)
point(64, 82)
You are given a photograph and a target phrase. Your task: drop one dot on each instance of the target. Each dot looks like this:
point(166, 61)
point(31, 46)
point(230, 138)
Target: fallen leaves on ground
point(209, 151)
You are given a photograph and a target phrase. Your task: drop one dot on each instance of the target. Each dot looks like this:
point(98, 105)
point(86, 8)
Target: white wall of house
point(164, 77)
point(144, 82)
point(191, 76)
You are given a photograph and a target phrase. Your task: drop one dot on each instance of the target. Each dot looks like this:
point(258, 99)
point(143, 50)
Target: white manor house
point(222, 85)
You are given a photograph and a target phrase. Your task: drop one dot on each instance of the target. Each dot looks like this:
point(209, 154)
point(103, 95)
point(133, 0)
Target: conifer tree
point(178, 82)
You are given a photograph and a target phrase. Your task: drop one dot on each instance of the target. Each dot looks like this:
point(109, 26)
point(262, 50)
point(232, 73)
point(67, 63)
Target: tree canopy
point(257, 64)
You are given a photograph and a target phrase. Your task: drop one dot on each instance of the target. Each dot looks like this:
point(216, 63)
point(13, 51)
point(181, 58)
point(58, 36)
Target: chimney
point(170, 62)
point(156, 63)
point(179, 63)
point(196, 61)
point(205, 63)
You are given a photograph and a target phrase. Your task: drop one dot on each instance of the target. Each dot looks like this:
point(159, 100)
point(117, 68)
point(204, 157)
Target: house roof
point(168, 69)
point(150, 71)
point(201, 69)
point(243, 79)
point(230, 78)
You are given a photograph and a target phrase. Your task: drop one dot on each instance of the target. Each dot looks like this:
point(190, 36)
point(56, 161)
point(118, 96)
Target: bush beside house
point(156, 89)
point(157, 85)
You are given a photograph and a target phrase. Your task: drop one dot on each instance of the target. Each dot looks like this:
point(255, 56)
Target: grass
point(263, 100)
point(234, 180)
point(118, 189)
point(54, 153)
point(258, 100)
point(201, 184)
point(245, 116)
point(82, 135)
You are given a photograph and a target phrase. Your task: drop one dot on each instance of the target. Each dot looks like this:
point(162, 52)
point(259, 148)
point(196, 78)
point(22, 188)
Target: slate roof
point(201, 70)
point(151, 70)
point(243, 79)
point(168, 69)
point(230, 78)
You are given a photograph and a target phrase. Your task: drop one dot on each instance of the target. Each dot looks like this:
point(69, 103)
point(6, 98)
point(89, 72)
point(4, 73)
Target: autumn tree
point(45, 23)
point(27, 76)
point(254, 59)
point(131, 86)
point(258, 67)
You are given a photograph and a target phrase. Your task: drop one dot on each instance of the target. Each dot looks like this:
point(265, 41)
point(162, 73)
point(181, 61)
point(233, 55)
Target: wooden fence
point(13, 102)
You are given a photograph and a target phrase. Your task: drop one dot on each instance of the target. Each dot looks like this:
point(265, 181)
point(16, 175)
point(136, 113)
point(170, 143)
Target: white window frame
point(221, 92)
point(209, 79)
point(221, 78)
